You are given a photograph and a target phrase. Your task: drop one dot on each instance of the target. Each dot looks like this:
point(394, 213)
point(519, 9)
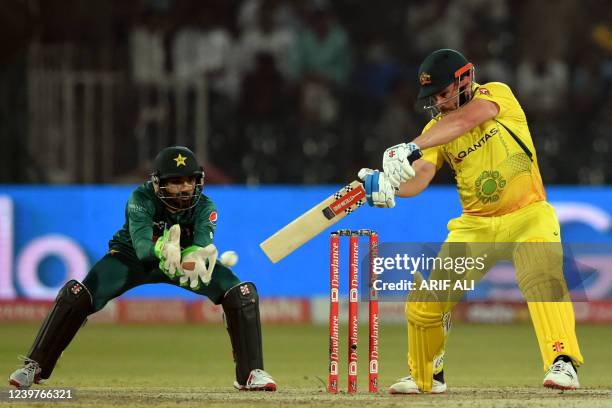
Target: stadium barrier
point(287, 311)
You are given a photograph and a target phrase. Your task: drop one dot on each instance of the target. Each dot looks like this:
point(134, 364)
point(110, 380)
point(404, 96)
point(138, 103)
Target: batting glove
point(379, 191)
point(397, 162)
point(168, 250)
point(198, 264)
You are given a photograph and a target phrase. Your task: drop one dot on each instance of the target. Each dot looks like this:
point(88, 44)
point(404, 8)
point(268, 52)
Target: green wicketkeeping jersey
point(146, 218)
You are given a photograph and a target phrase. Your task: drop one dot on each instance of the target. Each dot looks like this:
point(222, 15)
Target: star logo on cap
point(425, 78)
point(180, 160)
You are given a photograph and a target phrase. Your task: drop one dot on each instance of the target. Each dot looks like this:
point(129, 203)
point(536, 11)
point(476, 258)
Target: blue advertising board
point(49, 234)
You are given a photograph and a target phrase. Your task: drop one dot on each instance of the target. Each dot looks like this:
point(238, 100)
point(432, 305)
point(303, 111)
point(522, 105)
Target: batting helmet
point(440, 69)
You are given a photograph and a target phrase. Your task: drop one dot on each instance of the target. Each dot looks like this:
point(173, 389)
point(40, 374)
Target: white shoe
point(407, 385)
point(258, 380)
point(27, 375)
point(561, 376)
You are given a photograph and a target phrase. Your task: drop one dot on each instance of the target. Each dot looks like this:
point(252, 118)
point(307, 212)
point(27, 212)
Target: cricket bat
point(314, 221)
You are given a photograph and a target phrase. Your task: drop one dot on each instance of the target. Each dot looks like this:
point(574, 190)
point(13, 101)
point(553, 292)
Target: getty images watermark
point(38, 395)
point(451, 270)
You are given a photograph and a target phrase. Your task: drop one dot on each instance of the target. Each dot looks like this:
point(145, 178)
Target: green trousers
point(117, 273)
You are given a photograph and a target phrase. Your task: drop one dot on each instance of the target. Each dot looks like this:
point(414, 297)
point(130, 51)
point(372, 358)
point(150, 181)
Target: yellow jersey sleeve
point(494, 175)
point(501, 94)
point(434, 155)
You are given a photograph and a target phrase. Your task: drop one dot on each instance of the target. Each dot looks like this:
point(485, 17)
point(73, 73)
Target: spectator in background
point(542, 25)
point(147, 51)
point(491, 66)
point(397, 119)
point(601, 35)
point(266, 36)
point(267, 150)
point(263, 90)
point(589, 85)
point(543, 83)
point(201, 47)
point(322, 49)
point(490, 41)
point(148, 70)
point(321, 64)
point(436, 23)
point(441, 23)
point(287, 14)
point(592, 102)
point(542, 72)
point(379, 71)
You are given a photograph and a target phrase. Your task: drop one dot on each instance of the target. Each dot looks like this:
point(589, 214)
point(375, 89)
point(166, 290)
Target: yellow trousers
point(529, 238)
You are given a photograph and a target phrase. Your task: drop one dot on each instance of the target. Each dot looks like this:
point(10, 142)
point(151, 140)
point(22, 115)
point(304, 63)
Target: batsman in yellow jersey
point(481, 131)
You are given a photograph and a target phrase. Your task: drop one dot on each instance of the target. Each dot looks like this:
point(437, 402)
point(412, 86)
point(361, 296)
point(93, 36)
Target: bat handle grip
point(415, 155)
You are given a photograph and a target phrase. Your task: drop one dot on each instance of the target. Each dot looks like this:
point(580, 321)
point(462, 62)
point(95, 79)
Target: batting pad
point(539, 274)
point(72, 306)
point(554, 326)
point(243, 322)
point(438, 363)
point(539, 271)
point(426, 338)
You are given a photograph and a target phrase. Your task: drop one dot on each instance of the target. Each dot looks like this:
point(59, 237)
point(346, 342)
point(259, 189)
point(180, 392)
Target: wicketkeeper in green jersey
point(167, 238)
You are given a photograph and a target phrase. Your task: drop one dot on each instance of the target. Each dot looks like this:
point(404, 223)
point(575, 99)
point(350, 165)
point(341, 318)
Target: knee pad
point(539, 271)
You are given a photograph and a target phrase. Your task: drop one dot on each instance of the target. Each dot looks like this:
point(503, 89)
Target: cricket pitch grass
point(191, 366)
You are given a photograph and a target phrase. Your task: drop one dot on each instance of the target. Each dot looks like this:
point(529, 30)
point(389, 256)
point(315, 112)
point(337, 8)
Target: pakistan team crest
point(489, 186)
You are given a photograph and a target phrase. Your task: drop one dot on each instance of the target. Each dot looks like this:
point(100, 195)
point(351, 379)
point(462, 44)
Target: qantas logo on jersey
point(464, 153)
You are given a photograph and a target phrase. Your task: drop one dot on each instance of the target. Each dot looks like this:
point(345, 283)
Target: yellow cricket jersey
point(495, 176)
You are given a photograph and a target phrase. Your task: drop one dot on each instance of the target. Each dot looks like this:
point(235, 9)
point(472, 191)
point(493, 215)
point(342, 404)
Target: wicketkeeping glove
point(397, 162)
point(198, 264)
point(379, 191)
point(168, 250)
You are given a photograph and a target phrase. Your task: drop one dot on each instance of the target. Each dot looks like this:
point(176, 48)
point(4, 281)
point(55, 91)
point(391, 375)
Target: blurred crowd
point(309, 91)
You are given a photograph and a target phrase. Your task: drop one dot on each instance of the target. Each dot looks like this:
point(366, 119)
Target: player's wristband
point(371, 186)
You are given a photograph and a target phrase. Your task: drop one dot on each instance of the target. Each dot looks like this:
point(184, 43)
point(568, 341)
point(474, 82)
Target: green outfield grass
point(152, 365)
